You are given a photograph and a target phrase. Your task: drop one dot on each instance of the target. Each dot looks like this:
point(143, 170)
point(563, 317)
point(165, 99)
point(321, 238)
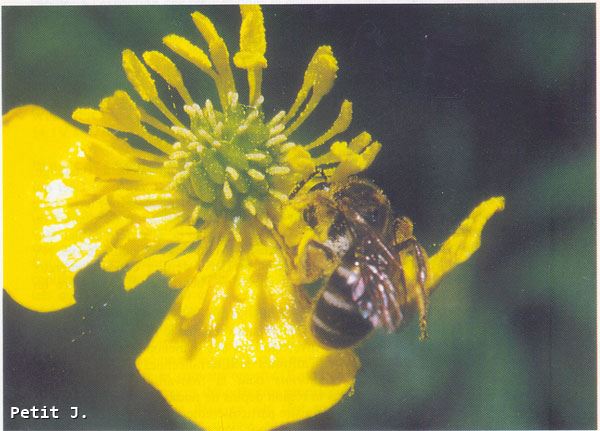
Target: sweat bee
point(365, 286)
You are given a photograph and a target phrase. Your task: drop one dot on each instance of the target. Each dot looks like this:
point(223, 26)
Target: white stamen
point(276, 140)
point(266, 221)
point(286, 147)
point(177, 145)
point(276, 119)
point(276, 130)
point(256, 157)
point(233, 98)
point(227, 192)
point(250, 207)
point(278, 170)
point(183, 133)
point(282, 197)
point(205, 135)
point(258, 176)
point(176, 155)
point(259, 101)
point(218, 129)
point(171, 164)
point(232, 173)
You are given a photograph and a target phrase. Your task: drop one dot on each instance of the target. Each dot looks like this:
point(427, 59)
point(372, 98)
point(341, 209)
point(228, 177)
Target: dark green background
point(469, 101)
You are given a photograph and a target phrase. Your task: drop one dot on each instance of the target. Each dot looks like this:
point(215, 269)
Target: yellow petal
point(464, 242)
point(245, 362)
point(39, 262)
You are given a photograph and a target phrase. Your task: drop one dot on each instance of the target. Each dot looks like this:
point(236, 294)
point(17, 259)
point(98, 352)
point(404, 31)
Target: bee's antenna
point(302, 183)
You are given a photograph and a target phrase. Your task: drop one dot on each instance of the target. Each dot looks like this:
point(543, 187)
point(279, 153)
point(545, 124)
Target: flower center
point(230, 163)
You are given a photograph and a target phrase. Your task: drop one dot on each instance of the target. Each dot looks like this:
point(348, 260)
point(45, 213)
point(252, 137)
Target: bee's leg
point(302, 183)
point(406, 241)
point(329, 254)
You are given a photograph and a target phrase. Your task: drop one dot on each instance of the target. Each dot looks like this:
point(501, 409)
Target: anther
point(276, 119)
point(276, 140)
point(278, 170)
point(183, 133)
point(177, 145)
point(177, 155)
point(232, 173)
point(249, 205)
point(171, 164)
point(218, 129)
point(227, 192)
point(256, 157)
point(215, 144)
point(282, 197)
point(233, 97)
point(276, 130)
point(256, 175)
point(259, 101)
point(205, 135)
point(266, 221)
point(286, 147)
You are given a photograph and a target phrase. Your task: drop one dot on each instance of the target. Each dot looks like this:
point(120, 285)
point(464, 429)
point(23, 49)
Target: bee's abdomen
point(336, 320)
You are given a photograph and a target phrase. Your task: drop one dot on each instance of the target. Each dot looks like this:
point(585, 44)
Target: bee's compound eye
point(310, 216)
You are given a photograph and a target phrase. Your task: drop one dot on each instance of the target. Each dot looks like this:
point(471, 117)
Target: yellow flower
point(203, 199)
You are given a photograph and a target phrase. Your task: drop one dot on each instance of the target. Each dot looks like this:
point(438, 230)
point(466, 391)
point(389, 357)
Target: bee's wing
point(378, 268)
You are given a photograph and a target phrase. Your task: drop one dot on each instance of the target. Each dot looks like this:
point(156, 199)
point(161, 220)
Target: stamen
point(205, 135)
point(249, 205)
point(233, 98)
point(259, 101)
point(236, 233)
point(276, 140)
point(278, 170)
point(171, 164)
point(183, 133)
point(210, 113)
point(176, 155)
point(286, 147)
point(282, 197)
point(276, 119)
point(256, 157)
point(266, 221)
point(256, 175)
point(232, 173)
point(227, 192)
point(276, 130)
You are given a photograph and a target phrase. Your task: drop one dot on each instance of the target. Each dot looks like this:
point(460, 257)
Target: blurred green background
point(469, 101)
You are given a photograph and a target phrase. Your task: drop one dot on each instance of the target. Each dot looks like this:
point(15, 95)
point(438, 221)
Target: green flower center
point(230, 163)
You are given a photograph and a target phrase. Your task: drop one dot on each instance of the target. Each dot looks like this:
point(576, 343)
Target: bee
point(365, 285)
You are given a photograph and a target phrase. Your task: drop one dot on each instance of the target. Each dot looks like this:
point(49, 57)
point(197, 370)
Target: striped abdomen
point(337, 320)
